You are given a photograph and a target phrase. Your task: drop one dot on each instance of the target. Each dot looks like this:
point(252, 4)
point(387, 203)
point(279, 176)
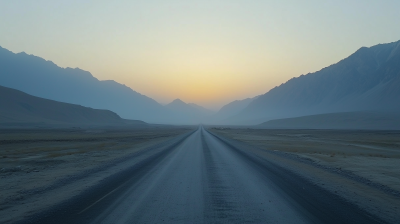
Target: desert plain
point(362, 166)
point(40, 168)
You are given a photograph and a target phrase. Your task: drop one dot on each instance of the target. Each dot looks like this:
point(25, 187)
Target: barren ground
point(361, 166)
point(39, 168)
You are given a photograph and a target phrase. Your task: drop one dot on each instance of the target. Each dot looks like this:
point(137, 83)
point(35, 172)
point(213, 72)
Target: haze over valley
point(366, 81)
point(119, 112)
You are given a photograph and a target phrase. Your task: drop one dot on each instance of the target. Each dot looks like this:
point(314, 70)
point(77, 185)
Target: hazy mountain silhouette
point(188, 113)
point(18, 109)
point(42, 78)
point(344, 120)
point(202, 109)
point(368, 80)
point(231, 109)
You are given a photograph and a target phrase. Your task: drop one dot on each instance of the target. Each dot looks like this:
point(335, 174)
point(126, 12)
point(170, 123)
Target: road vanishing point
point(201, 177)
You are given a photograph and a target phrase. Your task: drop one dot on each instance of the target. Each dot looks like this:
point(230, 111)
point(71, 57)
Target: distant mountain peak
point(177, 102)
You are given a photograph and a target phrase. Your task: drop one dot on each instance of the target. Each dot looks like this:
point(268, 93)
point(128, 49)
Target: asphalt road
point(203, 178)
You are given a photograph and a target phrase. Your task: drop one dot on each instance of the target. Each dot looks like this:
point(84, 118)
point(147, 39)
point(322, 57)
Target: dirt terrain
point(361, 166)
point(200, 177)
point(40, 168)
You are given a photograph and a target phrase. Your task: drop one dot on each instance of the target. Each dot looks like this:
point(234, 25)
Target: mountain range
point(229, 110)
point(188, 113)
point(41, 78)
point(367, 80)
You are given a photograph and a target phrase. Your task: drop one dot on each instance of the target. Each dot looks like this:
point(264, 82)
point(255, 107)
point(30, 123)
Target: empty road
point(203, 178)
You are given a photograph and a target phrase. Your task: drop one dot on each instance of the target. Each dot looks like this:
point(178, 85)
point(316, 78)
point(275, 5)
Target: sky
point(208, 52)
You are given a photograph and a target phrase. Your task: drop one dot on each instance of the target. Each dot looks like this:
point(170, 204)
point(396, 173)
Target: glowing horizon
point(204, 52)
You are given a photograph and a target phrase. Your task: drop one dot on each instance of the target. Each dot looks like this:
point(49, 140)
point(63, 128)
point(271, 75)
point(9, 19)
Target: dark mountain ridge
point(18, 109)
point(344, 120)
point(368, 80)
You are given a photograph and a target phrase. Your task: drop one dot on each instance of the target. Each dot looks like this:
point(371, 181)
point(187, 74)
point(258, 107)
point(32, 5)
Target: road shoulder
point(377, 199)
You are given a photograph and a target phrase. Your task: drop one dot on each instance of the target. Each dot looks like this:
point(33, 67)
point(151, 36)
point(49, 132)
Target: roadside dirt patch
point(361, 166)
point(37, 165)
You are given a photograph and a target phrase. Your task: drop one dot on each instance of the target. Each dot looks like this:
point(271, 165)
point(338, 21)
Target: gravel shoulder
point(41, 168)
point(363, 167)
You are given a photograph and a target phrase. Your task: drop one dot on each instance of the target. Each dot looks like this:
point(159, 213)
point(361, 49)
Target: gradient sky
point(208, 52)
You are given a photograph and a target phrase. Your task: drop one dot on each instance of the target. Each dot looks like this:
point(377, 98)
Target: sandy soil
point(361, 166)
point(40, 168)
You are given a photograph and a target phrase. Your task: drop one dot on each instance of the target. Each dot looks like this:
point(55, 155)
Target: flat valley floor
point(42, 169)
point(362, 166)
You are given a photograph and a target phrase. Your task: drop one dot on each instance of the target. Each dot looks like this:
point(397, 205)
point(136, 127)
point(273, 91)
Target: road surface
point(203, 178)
